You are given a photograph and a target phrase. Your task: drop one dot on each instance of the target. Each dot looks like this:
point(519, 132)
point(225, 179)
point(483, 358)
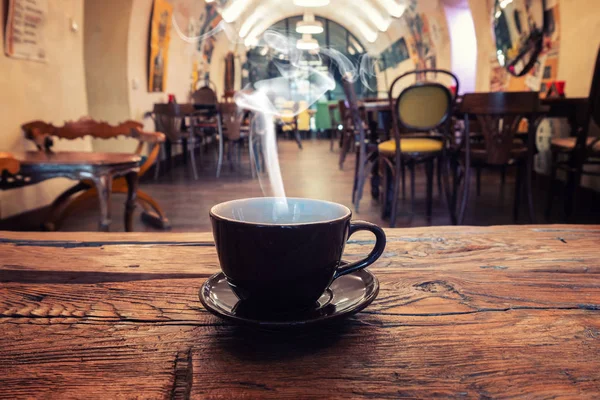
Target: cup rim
point(347, 214)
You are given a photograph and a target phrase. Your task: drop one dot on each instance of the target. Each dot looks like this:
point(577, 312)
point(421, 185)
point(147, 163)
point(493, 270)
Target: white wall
point(54, 92)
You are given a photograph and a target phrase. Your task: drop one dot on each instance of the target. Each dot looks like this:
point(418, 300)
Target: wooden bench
point(43, 134)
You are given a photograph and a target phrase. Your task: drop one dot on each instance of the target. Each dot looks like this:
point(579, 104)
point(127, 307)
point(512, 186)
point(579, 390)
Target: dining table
point(99, 169)
point(462, 312)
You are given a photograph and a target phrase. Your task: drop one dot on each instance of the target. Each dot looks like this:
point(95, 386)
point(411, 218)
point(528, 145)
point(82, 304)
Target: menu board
point(25, 24)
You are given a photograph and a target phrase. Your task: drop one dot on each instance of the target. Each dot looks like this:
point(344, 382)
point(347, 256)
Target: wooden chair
point(207, 122)
point(580, 151)
point(43, 133)
point(419, 109)
point(355, 136)
point(498, 115)
point(169, 119)
point(350, 131)
point(334, 121)
point(235, 132)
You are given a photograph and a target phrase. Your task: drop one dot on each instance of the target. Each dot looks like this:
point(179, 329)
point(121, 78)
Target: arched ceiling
point(366, 19)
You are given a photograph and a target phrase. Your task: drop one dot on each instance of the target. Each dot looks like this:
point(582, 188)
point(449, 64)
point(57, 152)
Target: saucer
point(347, 295)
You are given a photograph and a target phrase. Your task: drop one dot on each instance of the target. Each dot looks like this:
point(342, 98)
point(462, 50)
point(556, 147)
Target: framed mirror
point(519, 27)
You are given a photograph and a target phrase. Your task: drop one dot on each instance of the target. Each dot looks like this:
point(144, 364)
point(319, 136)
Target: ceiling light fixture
point(311, 3)
point(394, 9)
point(234, 10)
point(307, 43)
point(309, 25)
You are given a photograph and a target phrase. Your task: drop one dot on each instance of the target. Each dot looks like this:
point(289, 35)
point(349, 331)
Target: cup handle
point(377, 251)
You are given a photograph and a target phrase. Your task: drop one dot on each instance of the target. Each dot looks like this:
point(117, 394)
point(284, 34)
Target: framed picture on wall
point(25, 29)
point(160, 36)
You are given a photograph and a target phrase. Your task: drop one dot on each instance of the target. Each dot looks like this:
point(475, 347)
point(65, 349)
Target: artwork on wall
point(543, 73)
point(208, 21)
point(421, 47)
point(545, 69)
point(25, 26)
point(394, 55)
point(160, 36)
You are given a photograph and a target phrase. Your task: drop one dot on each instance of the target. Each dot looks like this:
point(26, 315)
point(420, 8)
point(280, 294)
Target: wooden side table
point(99, 168)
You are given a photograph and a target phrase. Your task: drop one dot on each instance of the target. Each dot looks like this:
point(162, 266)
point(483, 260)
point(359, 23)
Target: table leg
point(132, 185)
point(103, 185)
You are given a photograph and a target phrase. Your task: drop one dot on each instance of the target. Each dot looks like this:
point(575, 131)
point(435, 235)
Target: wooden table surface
point(463, 312)
point(75, 158)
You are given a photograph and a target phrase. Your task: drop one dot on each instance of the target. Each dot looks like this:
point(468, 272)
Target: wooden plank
point(462, 312)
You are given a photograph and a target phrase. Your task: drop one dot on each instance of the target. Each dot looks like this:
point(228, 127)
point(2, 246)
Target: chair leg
point(429, 172)
point(221, 144)
point(132, 184)
point(355, 181)
point(529, 191)
point(518, 185)
point(466, 190)
point(552, 180)
point(395, 193)
point(298, 138)
point(445, 165)
point(104, 189)
point(440, 162)
point(478, 181)
point(193, 160)
point(58, 205)
point(161, 151)
point(403, 167)
point(503, 175)
point(411, 166)
point(153, 214)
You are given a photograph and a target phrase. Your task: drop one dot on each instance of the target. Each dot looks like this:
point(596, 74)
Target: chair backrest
point(41, 133)
point(352, 112)
point(205, 96)
point(169, 116)
point(424, 105)
point(232, 118)
point(499, 115)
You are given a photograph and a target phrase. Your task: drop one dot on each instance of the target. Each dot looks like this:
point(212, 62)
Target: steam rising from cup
point(261, 98)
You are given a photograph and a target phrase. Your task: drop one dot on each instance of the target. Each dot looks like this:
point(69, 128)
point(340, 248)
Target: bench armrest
point(148, 137)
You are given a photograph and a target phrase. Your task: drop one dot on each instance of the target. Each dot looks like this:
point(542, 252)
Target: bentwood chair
point(169, 119)
point(235, 133)
point(578, 151)
point(499, 116)
point(207, 122)
point(42, 134)
point(355, 131)
point(419, 110)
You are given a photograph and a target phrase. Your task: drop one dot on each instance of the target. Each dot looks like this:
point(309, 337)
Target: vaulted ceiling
point(367, 19)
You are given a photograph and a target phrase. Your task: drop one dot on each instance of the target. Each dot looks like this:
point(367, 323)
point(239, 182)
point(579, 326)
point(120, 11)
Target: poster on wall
point(160, 36)
point(208, 21)
point(545, 69)
point(25, 26)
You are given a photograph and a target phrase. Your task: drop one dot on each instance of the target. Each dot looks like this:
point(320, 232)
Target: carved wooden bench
point(42, 134)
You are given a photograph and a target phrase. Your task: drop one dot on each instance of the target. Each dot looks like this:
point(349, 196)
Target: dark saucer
point(347, 295)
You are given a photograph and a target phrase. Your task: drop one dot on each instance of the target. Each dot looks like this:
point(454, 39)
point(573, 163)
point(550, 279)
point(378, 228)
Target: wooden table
point(463, 312)
point(98, 168)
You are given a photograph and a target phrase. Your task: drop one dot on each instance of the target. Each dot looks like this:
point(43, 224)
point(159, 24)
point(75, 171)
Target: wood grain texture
point(463, 312)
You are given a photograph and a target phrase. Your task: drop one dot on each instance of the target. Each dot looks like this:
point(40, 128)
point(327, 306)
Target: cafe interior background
point(99, 60)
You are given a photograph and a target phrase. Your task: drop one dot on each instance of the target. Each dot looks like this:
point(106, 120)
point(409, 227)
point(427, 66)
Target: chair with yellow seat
point(421, 108)
point(290, 120)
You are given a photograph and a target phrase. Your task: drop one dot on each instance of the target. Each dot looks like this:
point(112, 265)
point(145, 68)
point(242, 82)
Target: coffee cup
point(283, 253)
